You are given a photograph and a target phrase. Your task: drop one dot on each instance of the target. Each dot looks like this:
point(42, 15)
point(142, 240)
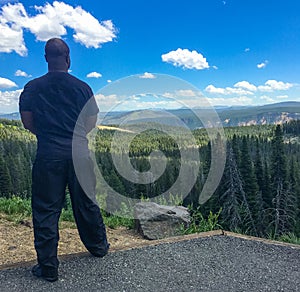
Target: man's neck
point(57, 70)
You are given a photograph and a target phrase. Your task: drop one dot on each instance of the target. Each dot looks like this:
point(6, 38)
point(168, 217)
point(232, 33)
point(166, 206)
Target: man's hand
point(27, 120)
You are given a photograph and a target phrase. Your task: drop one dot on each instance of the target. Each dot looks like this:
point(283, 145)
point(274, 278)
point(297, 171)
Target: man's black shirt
point(56, 100)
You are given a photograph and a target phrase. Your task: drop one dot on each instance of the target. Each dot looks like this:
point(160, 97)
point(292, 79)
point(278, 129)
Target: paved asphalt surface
point(217, 263)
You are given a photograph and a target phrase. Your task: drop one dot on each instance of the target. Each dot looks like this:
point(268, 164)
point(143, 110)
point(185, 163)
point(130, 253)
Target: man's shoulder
point(34, 83)
point(78, 81)
point(37, 79)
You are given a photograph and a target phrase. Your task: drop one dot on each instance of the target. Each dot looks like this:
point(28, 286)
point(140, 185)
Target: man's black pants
point(49, 181)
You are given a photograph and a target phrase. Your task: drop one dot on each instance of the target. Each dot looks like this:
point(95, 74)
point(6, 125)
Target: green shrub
point(114, 221)
point(289, 238)
point(15, 206)
point(122, 218)
point(200, 224)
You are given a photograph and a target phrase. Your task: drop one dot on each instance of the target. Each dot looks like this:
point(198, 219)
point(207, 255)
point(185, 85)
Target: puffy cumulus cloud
point(227, 91)
point(247, 88)
point(50, 21)
point(107, 102)
point(147, 75)
point(186, 59)
point(11, 38)
point(212, 89)
point(262, 64)
point(94, 75)
point(9, 100)
point(21, 73)
point(6, 83)
point(245, 85)
point(278, 85)
point(272, 85)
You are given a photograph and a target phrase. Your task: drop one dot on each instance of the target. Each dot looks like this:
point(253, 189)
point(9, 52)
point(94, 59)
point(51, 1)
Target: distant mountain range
point(229, 116)
point(12, 116)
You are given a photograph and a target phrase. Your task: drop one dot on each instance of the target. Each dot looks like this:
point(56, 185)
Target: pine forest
point(259, 193)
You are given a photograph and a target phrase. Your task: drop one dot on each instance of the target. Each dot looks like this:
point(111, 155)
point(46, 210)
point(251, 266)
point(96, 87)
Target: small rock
point(12, 247)
point(26, 223)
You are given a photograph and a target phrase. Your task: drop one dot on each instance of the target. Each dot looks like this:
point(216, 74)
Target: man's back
point(56, 100)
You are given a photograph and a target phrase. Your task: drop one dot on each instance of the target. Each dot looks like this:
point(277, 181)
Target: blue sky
point(235, 52)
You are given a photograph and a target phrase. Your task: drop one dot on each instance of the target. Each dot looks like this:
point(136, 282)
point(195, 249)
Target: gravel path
point(217, 263)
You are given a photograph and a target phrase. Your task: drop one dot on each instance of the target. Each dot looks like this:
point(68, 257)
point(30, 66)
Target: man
point(50, 107)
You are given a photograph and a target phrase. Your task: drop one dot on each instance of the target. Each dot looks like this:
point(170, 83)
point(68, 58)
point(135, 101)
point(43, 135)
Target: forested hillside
point(259, 193)
point(17, 151)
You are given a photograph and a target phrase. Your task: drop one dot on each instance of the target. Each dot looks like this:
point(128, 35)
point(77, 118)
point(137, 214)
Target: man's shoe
point(100, 254)
point(50, 274)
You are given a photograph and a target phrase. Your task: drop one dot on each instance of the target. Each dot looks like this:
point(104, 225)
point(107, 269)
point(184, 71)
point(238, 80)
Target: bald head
point(57, 54)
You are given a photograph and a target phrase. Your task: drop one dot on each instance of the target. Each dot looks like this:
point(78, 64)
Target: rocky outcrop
point(155, 221)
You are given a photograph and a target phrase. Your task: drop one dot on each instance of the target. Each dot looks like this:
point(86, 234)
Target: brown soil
point(16, 240)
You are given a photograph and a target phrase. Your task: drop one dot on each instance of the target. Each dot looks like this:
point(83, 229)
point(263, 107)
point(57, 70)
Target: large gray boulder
point(155, 221)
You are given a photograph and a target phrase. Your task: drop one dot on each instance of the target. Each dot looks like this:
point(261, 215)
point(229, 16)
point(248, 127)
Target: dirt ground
point(16, 240)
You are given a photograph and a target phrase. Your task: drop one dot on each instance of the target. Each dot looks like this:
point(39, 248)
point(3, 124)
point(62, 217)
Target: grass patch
point(289, 238)
point(114, 221)
point(200, 224)
point(16, 209)
point(15, 206)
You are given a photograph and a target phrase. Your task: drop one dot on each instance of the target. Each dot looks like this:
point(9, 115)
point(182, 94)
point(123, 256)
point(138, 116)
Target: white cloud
point(265, 88)
point(9, 100)
point(267, 98)
point(11, 38)
point(107, 102)
point(187, 93)
point(183, 95)
point(147, 75)
point(21, 73)
point(6, 83)
point(186, 59)
point(241, 100)
point(278, 85)
point(227, 91)
point(94, 75)
point(212, 89)
point(247, 88)
point(245, 85)
point(247, 50)
point(272, 85)
point(50, 21)
point(282, 96)
point(109, 81)
point(262, 64)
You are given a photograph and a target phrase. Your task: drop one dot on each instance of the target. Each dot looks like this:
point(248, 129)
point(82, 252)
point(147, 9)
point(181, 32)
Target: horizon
point(183, 108)
point(234, 54)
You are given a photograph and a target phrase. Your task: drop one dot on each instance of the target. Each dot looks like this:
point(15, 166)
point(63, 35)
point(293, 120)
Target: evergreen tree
point(281, 193)
point(235, 209)
point(248, 176)
point(5, 180)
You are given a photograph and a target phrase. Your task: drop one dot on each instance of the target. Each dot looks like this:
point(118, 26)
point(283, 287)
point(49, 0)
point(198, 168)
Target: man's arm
point(90, 123)
point(27, 120)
